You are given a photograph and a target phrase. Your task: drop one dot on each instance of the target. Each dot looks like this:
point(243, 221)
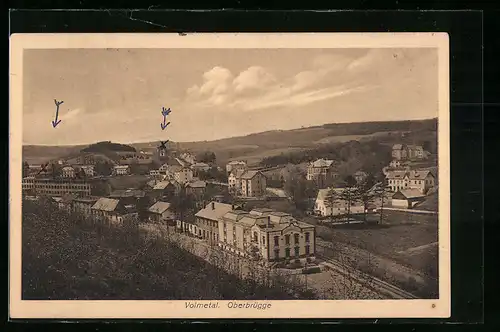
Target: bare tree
point(330, 201)
point(351, 278)
point(380, 191)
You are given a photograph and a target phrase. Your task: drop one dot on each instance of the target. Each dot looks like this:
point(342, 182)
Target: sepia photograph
point(229, 176)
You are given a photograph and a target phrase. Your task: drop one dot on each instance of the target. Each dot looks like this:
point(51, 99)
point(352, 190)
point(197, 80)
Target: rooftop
point(322, 163)
point(249, 174)
point(214, 210)
point(163, 184)
point(120, 193)
point(106, 204)
point(159, 207)
point(196, 184)
point(409, 193)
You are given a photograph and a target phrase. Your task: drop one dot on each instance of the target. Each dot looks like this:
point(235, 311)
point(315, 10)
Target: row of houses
point(261, 233)
point(179, 173)
point(109, 210)
point(116, 211)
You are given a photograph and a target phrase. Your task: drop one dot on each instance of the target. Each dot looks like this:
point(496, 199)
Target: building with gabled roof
point(112, 211)
point(185, 174)
point(236, 165)
point(160, 212)
point(338, 207)
point(206, 221)
point(408, 152)
point(322, 171)
point(248, 183)
point(423, 180)
point(407, 198)
point(83, 205)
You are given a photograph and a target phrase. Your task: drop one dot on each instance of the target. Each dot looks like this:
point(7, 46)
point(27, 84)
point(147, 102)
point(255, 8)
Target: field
point(37, 154)
point(394, 239)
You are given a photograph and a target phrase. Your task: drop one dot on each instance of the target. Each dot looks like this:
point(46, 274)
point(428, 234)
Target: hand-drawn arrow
point(165, 112)
point(163, 144)
point(55, 122)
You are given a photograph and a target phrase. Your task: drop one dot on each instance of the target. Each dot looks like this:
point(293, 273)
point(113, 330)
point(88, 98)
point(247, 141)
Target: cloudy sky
point(118, 94)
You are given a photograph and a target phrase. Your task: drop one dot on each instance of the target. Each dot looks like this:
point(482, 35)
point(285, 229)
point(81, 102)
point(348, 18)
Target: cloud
point(327, 77)
point(253, 78)
point(215, 82)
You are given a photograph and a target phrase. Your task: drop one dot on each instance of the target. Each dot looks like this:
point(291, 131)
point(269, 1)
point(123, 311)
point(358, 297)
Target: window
point(263, 240)
point(307, 237)
point(297, 251)
point(287, 252)
point(276, 241)
point(276, 253)
point(307, 250)
point(287, 239)
point(296, 238)
point(255, 237)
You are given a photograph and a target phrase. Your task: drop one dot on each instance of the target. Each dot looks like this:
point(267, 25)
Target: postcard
point(213, 175)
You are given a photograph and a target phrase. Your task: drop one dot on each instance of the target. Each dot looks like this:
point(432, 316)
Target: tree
point(350, 181)
point(182, 203)
point(352, 283)
point(100, 188)
point(135, 168)
point(331, 198)
point(80, 173)
point(380, 191)
point(143, 204)
point(350, 195)
point(55, 170)
point(213, 173)
point(103, 168)
point(366, 193)
point(206, 157)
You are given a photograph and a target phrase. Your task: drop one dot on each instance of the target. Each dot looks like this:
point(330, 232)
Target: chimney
point(213, 205)
point(268, 220)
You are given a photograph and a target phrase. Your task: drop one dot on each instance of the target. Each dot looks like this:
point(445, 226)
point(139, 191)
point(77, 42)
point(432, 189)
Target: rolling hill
point(255, 147)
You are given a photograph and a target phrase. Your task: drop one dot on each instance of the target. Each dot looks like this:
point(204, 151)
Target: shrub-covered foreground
point(64, 259)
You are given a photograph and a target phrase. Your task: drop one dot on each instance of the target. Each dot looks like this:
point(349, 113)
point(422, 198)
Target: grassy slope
point(74, 260)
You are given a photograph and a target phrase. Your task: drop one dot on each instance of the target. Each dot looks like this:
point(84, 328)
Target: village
point(239, 209)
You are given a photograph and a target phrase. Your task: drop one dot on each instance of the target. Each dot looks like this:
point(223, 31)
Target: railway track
point(369, 281)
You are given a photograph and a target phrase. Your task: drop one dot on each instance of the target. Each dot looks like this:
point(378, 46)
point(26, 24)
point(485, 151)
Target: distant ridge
point(256, 145)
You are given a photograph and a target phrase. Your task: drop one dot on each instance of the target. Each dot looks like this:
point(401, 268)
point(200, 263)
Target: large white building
point(267, 235)
point(55, 187)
